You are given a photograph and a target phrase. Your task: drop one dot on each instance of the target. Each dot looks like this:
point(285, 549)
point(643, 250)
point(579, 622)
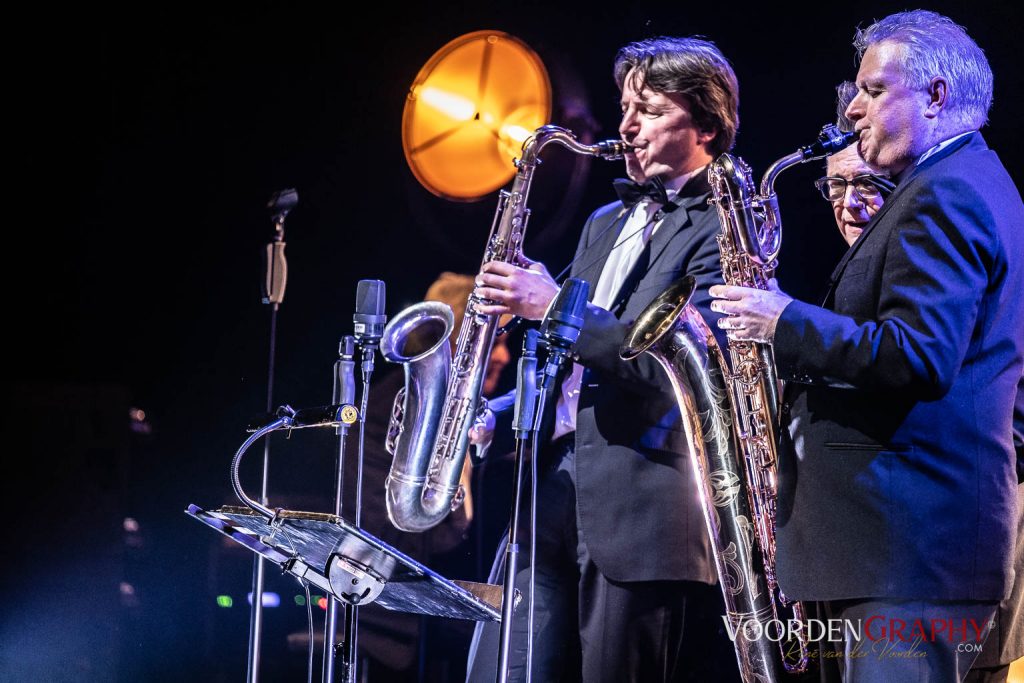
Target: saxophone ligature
point(432, 415)
point(730, 413)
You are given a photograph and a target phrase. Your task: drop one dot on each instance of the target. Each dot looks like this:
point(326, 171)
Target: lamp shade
point(471, 107)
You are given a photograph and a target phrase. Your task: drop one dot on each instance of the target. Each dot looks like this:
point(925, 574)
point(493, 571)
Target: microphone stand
point(369, 349)
point(344, 392)
point(526, 431)
point(368, 323)
point(275, 280)
point(560, 329)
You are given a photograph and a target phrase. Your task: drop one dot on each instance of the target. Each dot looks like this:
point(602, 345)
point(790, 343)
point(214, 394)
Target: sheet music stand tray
point(351, 564)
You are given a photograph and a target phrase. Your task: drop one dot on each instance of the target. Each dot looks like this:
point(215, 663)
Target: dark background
point(143, 146)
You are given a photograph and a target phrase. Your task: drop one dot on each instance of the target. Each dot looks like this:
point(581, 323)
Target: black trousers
point(590, 628)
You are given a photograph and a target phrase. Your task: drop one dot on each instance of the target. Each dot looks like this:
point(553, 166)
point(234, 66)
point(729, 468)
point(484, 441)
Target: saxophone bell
point(731, 416)
point(672, 331)
point(418, 339)
point(442, 398)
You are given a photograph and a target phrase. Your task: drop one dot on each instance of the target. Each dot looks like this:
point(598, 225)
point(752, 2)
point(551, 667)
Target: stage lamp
point(468, 112)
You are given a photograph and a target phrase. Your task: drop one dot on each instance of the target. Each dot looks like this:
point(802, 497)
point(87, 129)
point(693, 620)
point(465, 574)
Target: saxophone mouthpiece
point(612, 149)
point(830, 140)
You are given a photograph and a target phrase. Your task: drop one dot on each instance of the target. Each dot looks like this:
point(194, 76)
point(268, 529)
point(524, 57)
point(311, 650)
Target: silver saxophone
point(731, 415)
point(432, 415)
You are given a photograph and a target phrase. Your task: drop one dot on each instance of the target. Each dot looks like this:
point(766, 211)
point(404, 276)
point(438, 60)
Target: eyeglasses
point(867, 186)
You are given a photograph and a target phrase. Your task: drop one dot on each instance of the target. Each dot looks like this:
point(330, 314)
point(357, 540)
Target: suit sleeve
point(603, 333)
point(936, 269)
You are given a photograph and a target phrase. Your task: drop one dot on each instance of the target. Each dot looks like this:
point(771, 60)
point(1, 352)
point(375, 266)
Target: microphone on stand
point(560, 330)
point(274, 280)
point(368, 327)
point(275, 265)
point(562, 323)
point(369, 317)
point(344, 393)
point(523, 423)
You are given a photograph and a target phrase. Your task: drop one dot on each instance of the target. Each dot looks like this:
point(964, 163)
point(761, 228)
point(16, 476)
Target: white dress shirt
point(633, 238)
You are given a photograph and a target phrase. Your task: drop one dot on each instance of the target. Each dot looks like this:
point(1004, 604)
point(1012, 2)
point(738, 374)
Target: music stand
point(351, 564)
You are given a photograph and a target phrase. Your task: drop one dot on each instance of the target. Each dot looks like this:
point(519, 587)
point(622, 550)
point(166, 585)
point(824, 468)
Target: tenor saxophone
point(429, 431)
point(731, 413)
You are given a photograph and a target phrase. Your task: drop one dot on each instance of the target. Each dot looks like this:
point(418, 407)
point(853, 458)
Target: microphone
point(369, 317)
point(274, 264)
point(564, 318)
point(281, 203)
point(526, 386)
point(345, 371)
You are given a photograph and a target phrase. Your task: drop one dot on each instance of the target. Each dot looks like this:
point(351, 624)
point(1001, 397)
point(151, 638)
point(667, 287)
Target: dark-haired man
point(623, 564)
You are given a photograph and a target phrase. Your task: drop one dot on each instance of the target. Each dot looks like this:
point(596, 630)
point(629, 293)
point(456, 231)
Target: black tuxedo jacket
point(897, 470)
point(638, 508)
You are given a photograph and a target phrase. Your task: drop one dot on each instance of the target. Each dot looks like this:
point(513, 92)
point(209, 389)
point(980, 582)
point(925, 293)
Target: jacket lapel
point(691, 195)
point(601, 248)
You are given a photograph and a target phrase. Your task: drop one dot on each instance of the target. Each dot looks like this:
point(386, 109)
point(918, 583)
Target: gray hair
point(845, 92)
point(694, 68)
point(934, 45)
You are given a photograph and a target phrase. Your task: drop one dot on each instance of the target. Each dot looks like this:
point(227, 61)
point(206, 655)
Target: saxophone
point(429, 431)
point(731, 415)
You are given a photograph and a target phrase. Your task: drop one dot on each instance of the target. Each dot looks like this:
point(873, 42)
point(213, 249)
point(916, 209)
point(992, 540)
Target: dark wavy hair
point(694, 68)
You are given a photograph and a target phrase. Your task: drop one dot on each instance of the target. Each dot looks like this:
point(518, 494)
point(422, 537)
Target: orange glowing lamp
point(468, 112)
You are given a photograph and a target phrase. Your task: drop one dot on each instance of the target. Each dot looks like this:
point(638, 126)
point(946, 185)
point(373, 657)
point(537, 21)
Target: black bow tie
point(632, 193)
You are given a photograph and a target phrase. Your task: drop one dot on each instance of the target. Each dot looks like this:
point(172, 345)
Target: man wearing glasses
point(856, 193)
point(897, 485)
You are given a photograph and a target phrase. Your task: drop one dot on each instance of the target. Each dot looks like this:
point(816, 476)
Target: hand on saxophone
point(750, 314)
point(525, 290)
point(482, 431)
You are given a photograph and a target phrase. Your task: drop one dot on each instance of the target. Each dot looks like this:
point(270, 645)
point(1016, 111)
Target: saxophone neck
point(609, 150)
point(830, 140)
point(778, 166)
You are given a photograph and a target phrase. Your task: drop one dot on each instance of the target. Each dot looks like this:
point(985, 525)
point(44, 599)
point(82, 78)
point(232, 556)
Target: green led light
point(224, 601)
point(300, 600)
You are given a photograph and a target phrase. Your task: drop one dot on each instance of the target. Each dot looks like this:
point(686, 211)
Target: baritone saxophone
point(730, 412)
